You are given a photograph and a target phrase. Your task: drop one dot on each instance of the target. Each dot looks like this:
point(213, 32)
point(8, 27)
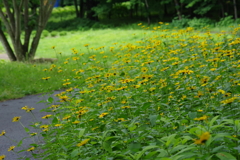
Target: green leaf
point(139, 154)
point(192, 115)
point(132, 127)
point(153, 119)
point(50, 100)
point(164, 120)
point(225, 156)
point(55, 120)
point(19, 143)
point(134, 147)
point(108, 142)
point(26, 129)
point(146, 105)
point(107, 146)
point(213, 120)
point(75, 153)
point(81, 132)
point(216, 149)
point(163, 153)
point(170, 139)
point(122, 74)
point(177, 148)
point(186, 149)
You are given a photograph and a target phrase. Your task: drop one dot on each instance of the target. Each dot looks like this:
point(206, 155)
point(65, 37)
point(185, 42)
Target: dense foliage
point(161, 10)
point(173, 95)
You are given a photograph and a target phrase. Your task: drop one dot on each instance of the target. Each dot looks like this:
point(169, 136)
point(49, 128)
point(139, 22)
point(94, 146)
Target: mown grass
point(172, 95)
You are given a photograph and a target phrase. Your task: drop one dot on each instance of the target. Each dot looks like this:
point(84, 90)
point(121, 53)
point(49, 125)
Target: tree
point(235, 9)
point(19, 18)
point(79, 8)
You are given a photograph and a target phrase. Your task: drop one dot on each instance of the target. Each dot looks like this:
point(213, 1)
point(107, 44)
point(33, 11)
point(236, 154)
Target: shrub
point(180, 23)
point(63, 33)
point(45, 33)
point(54, 33)
point(200, 23)
point(226, 21)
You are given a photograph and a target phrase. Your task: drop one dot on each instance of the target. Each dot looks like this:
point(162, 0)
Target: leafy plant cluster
point(171, 96)
point(63, 19)
point(199, 23)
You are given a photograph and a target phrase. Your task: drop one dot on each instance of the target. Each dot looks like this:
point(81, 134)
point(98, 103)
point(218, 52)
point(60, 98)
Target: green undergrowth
point(20, 79)
point(173, 95)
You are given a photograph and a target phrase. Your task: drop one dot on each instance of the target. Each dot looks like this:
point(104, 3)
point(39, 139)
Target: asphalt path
point(14, 130)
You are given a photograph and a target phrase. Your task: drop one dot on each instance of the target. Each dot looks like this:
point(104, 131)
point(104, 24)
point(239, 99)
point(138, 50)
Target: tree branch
point(45, 10)
point(6, 46)
point(6, 23)
point(9, 14)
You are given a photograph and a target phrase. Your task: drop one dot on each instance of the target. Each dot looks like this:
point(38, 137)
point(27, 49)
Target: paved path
point(4, 56)
point(12, 108)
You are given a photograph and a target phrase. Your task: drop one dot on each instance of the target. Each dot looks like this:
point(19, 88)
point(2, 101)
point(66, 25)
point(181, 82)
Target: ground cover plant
point(60, 48)
point(172, 95)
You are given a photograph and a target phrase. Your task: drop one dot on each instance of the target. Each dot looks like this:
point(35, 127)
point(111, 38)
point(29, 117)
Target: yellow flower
point(25, 107)
point(33, 134)
point(66, 117)
point(144, 69)
point(119, 120)
point(31, 149)
point(201, 118)
point(46, 78)
point(221, 91)
point(125, 107)
point(47, 116)
point(102, 115)
point(83, 142)
point(30, 109)
point(86, 45)
point(11, 148)
point(3, 133)
point(2, 157)
point(202, 138)
point(76, 122)
point(58, 125)
point(199, 110)
point(16, 119)
point(44, 126)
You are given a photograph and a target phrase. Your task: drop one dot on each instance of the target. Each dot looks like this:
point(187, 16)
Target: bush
point(45, 33)
point(54, 33)
point(226, 21)
point(63, 33)
point(183, 23)
point(200, 23)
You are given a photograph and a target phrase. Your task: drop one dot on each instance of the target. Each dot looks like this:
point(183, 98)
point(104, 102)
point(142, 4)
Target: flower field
point(172, 95)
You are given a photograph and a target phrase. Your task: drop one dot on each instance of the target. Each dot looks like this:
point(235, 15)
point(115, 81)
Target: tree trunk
point(177, 6)
point(148, 12)
point(7, 47)
point(44, 14)
point(17, 19)
point(76, 8)
point(81, 3)
point(222, 9)
point(90, 13)
point(235, 9)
